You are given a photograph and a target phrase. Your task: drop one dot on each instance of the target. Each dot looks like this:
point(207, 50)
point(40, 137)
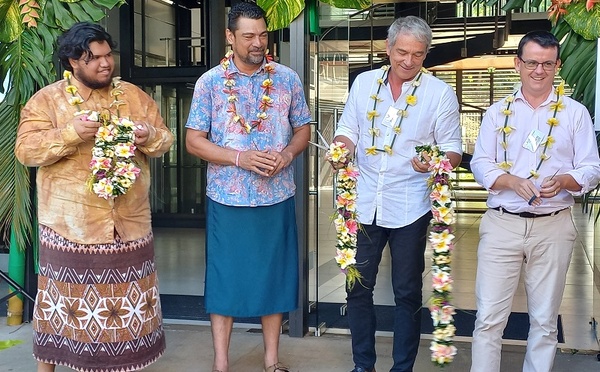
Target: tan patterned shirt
point(47, 139)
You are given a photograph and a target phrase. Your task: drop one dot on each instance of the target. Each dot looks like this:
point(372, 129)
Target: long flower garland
point(265, 102)
point(113, 170)
point(506, 129)
point(345, 219)
point(411, 100)
point(441, 239)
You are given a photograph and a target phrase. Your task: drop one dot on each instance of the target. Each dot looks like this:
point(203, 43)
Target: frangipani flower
point(371, 150)
point(411, 100)
point(345, 258)
point(441, 242)
point(371, 115)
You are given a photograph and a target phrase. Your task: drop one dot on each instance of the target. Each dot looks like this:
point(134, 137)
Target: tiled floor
point(180, 259)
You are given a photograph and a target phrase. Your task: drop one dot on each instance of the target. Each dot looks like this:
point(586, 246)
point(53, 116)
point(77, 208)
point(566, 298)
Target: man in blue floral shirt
point(249, 119)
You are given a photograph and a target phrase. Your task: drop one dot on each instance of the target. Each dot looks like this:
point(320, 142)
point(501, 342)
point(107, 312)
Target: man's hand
point(526, 190)
point(141, 132)
point(421, 166)
point(282, 160)
point(260, 162)
point(86, 129)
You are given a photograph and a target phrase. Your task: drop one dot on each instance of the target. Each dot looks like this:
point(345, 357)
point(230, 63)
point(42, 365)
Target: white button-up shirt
point(388, 186)
point(574, 151)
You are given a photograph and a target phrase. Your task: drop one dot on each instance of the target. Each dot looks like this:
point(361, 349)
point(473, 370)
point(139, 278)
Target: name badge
point(390, 117)
point(534, 139)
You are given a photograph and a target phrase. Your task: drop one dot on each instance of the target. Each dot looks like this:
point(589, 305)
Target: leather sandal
point(277, 367)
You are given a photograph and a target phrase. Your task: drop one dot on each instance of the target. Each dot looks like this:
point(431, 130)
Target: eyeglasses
point(532, 65)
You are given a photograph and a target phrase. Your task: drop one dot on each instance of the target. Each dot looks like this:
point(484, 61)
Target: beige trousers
point(540, 249)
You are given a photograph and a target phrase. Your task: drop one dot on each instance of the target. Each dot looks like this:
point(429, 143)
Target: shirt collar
point(234, 69)
point(551, 97)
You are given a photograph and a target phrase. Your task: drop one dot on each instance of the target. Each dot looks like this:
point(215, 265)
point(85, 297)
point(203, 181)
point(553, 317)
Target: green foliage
point(578, 56)
point(280, 13)
point(11, 27)
point(348, 4)
point(586, 24)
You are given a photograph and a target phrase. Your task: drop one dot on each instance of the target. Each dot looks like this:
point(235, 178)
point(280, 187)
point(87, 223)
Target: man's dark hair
point(244, 10)
point(544, 39)
point(75, 42)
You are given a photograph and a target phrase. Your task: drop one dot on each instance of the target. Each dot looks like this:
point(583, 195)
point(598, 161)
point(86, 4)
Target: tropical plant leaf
point(586, 24)
point(77, 10)
point(349, 4)
point(63, 18)
point(280, 13)
point(109, 4)
point(11, 24)
point(513, 4)
point(578, 57)
point(95, 12)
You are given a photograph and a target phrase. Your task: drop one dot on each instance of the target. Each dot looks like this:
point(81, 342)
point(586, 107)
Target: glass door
point(335, 60)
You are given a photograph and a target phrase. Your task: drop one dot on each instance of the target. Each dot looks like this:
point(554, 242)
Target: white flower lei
point(346, 218)
point(506, 130)
point(113, 169)
point(441, 237)
point(411, 100)
point(265, 102)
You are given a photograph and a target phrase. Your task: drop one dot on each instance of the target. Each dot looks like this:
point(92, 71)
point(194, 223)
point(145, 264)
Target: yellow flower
point(374, 132)
point(403, 113)
point(236, 118)
point(75, 101)
point(509, 99)
point(71, 89)
point(534, 174)
point(267, 83)
point(385, 67)
point(116, 92)
point(231, 98)
point(375, 97)
point(544, 157)
point(262, 115)
point(505, 165)
point(560, 89)
point(345, 257)
point(504, 145)
point(550, 141)
point(67, 74)
point(557, 106)
point(371, 115)
point(397, 129)
point(380, 81)
point(229, 82)
point(508, 129)
point(506, 112)
point(411, 100)
point(552, 122)
point(247, 127)
point(424, 70)
point(387, 149)
point(416, 83)
point(371, 150)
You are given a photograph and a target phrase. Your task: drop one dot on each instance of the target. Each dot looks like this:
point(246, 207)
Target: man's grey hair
point(410, 25)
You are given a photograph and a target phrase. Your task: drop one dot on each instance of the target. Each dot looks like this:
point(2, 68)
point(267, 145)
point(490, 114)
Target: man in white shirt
point(390, 111)
point(536, 150)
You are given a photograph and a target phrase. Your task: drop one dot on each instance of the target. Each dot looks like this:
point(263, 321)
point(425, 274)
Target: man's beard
point(255, 60)
point(93, 84)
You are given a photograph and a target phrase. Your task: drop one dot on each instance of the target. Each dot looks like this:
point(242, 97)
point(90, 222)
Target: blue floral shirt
point(232, 185)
